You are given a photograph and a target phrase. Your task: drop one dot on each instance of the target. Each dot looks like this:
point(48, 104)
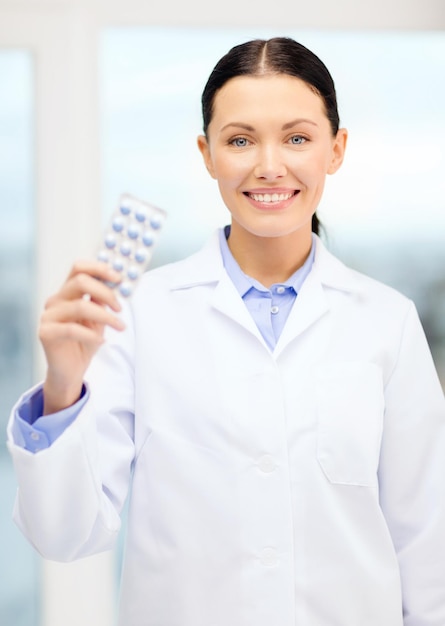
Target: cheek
point(311, 168)
point(231, 171)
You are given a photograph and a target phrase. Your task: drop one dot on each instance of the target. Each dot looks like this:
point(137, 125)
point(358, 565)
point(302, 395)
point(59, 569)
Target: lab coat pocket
point(350, 402)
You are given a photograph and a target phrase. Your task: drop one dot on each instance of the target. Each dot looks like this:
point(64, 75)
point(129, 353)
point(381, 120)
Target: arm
point(71, 493)
point(412, 477)
point(34, 431)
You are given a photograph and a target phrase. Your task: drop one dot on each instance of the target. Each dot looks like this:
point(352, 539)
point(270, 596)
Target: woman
point(278, 413)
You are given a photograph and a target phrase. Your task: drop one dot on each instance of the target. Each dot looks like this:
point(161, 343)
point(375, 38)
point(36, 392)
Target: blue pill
point(118, 265)
point(140, 255)
point(125, 289)
point(110, 284)
point(155, 222)
point(133, 273)
point(103, 256)
point(148, 238)
point(118, 224)
point(133, 231)
point(125, 209)
point(110, 241)
point(125, 248)
point(140, 215)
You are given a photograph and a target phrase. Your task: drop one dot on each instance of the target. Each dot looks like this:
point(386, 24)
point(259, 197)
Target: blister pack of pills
point(128, 242)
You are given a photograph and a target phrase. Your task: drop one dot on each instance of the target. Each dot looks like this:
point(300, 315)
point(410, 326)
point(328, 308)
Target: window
point(18, 563)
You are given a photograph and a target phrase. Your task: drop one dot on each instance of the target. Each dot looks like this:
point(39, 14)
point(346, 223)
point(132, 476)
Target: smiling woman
point(271, 177)
point(150, 102)
point(276, 415)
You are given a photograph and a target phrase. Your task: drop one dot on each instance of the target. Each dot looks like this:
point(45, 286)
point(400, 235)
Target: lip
point(271, 206)
point(272, 190)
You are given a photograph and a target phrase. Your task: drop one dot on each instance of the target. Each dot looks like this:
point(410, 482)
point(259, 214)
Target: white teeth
point(274, 197)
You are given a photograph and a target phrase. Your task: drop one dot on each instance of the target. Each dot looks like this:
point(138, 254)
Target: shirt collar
point(244, 283)
point(206, 267)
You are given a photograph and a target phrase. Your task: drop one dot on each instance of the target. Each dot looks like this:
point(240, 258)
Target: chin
point(275, 230)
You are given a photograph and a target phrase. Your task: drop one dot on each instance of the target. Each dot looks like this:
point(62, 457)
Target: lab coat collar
point(206, 267)
point(331, 272)
point(202, 268)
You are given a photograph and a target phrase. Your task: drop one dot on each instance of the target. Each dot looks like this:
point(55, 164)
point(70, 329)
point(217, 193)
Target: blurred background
point(99, 98)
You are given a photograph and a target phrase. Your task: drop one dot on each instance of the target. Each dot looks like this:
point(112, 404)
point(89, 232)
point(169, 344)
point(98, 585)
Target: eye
point(239, 142)
point(297, 140)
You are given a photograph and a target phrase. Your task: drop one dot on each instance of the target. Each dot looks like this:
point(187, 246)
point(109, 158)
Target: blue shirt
point(269, 308)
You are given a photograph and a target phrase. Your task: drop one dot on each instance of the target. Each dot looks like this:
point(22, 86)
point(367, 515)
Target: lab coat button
point(266, 464)
point(274, 310)
point(281, 289)
point(269, 557)
point(35, 436)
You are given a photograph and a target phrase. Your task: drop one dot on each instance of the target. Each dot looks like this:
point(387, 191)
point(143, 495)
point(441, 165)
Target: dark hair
point(280, 55)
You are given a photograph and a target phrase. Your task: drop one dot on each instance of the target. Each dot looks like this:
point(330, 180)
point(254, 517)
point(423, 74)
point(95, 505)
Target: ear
point(204, 149)
point(338, 150)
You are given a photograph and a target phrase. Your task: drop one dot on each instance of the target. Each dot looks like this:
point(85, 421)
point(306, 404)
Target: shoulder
point(335, 273)
point(368, 296)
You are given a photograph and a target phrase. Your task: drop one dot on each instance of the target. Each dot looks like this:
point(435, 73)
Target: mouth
point(272, 197)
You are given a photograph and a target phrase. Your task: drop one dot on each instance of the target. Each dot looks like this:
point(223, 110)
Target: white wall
point(63, 34)
point(406, 14)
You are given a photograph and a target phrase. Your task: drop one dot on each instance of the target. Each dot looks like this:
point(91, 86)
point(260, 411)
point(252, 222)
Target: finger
point(96, 269)
point(81, 311)
point(80, 285)
point(52, 332)
point(99, 269)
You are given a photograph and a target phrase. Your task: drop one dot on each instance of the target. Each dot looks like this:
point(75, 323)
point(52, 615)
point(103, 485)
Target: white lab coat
point(303, 487)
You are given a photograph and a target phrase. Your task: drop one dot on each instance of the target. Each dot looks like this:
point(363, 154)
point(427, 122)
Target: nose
point(270, 164)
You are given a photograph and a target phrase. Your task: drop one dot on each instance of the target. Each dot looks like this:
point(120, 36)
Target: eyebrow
point(300, 120)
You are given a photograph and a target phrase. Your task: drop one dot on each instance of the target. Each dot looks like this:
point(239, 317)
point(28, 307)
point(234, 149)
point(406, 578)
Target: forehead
point(250, 98)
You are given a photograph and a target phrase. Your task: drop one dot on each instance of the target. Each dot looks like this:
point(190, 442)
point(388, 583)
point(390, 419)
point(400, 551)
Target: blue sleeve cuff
point(34, 431)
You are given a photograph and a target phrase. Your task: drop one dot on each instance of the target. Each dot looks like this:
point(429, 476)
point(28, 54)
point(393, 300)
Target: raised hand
point(72, 329)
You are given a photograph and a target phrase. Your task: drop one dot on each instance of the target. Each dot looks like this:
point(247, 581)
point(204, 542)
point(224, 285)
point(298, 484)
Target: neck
point(269, 260)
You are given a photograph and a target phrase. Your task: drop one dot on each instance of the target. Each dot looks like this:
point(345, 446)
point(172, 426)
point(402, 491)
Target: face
point(270, 145)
